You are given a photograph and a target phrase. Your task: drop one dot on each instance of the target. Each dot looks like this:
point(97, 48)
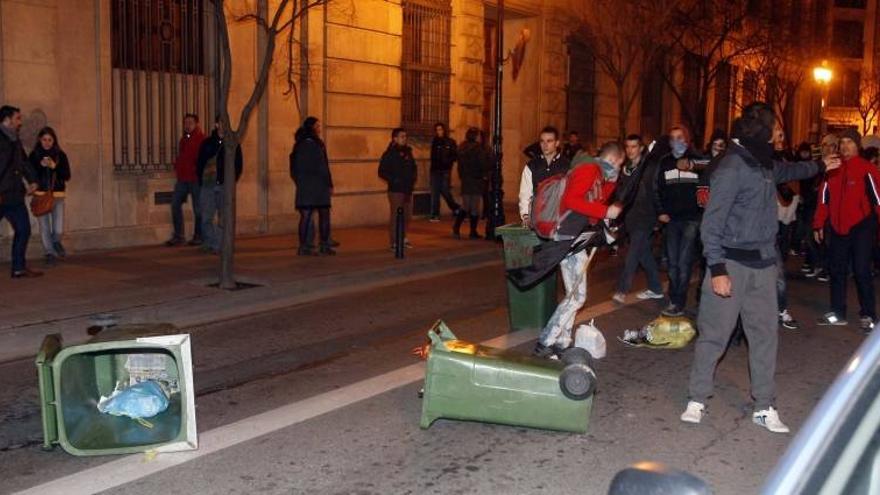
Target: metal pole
point(497, 179)
point(399, 235)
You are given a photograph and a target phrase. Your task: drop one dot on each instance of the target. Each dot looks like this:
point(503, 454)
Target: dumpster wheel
point(577, 381)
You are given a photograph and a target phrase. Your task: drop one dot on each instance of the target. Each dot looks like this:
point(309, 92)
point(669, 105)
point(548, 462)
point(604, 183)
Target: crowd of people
point(735, 211)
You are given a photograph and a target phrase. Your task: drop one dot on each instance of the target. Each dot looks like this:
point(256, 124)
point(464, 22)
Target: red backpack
point(545, 216)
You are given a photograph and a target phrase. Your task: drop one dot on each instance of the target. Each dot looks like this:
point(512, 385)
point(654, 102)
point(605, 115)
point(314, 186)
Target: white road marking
point(134, 467)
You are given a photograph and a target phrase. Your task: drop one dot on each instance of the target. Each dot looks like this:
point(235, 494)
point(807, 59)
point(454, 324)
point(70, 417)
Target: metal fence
point(426, 64)
point(163, 63)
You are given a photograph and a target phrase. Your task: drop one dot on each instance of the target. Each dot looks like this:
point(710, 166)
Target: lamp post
point(822, 75)
point(497, 218)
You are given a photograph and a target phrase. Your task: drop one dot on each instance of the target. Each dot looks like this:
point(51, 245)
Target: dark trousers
point(181, 191)
point(681, 237)
point(640, 254)
point(440, 188)
point(853, 249)
point(306, 227)
point(17, 215)
point(398, 200)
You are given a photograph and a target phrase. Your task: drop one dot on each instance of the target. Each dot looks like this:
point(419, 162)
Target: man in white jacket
point(550, 163)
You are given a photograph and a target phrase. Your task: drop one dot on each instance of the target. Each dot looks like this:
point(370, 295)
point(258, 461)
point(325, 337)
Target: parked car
point(837, 450)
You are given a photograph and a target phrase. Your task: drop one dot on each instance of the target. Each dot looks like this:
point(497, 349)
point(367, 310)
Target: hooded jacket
point(398, 169)
point(474, 164)
point(443, 154)
point(848, 195)
point(740, 220)
point(310, 171)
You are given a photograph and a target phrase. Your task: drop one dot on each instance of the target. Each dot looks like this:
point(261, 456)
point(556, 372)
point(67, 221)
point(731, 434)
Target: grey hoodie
point(740, 221)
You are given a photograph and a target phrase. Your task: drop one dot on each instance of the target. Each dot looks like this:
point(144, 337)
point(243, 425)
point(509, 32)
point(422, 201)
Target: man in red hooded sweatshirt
point(584, 204)
point(187, 181)
point(846, 218)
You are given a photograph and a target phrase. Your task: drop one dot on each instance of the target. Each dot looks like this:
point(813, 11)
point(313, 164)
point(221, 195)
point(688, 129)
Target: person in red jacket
point(584, 203)
point(187, 181)
point(846, 218)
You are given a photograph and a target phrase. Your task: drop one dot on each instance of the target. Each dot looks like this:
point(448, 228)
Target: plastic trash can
point(72, 380)
point(466, 381)
point(529, 309)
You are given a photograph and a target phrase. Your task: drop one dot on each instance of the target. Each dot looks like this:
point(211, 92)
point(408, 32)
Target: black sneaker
point(823, 276)
point(196, 241)
point(59, 249)
point(787, 321)
point(50, 260)
point(806, 268)
point(174, 242)
point(866, 324)
point(831, 319)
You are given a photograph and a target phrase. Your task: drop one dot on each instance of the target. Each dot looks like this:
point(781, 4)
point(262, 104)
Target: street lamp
point(497, 192)
point(822, 74)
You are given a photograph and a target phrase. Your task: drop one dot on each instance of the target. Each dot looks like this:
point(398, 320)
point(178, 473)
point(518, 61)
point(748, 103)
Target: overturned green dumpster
point(74, 380)
point(466, 381)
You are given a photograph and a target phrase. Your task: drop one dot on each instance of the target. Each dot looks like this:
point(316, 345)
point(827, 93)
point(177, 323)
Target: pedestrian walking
point(14, 171)
point(738, 231)
point(52, 170)
point(474, 164)
point(310, 171)
point(639, 219)
point(211, 173)
point(678, 209)
point(187, 185)
point(846, 218)
point(398, 168)
point(444, 153)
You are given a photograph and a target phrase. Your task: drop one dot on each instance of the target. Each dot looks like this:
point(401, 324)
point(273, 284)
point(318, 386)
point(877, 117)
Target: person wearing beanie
point(846, 221)
point(738, 231)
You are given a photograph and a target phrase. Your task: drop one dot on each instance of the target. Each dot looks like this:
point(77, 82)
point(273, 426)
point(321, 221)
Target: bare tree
point(869, 99)
point(625, 37)
point(281, 22)
point(705, 37)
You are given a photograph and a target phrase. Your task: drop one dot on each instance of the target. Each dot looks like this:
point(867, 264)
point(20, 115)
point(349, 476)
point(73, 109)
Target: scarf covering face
point(679, 148)
point(761, 150)
point(608, 171)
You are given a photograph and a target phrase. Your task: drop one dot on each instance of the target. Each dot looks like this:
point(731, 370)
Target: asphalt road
point(253, 365)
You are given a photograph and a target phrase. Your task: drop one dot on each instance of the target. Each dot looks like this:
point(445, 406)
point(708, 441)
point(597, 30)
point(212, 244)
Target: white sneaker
point(648, 294)
point(694, 412)
point(769, 418)
point(619, 298)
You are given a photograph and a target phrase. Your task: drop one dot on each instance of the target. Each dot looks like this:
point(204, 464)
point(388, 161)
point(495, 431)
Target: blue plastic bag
point(143, 400)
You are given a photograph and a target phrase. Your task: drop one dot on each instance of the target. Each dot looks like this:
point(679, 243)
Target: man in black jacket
point(398, 169)
point(211, 172)
point(676, 205)
point(739, 230)
point(444, 153)
point(639, 219)
point(14, 168)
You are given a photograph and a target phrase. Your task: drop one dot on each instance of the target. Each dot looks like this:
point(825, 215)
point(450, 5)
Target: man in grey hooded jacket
point(738, 231)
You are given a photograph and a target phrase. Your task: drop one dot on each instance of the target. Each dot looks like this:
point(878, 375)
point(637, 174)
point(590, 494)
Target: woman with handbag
point(52, 169)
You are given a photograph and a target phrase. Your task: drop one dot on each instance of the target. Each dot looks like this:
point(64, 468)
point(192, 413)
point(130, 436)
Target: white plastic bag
point(590, 338)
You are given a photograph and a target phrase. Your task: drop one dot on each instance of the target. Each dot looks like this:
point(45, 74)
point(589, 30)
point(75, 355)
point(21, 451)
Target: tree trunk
point(622, 111)
point(227, 244)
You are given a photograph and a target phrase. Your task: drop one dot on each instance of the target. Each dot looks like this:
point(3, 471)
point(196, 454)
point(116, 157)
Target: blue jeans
point(211, 205)
point(440, 187)
point(181, 191)
point(640, 253)
point(681, 237)
point(17, 215)
point(52, 226)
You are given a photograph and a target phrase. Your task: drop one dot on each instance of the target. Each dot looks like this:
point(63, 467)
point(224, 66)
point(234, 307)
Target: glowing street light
point(822, 74)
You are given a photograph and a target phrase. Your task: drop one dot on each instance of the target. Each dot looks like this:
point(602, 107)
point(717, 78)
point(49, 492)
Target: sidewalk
point(160, 284)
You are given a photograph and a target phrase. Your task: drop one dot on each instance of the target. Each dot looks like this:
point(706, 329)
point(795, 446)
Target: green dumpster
point(72, 380)
point(466, 381)
point(529, 309)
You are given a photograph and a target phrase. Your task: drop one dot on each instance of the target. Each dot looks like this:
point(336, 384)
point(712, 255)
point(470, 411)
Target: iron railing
point(163, 61)
point(426, 64)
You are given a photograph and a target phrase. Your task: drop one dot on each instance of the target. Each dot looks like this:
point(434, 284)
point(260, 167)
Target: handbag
point(43, 204)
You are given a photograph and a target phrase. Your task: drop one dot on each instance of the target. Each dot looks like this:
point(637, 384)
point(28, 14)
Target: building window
point(581, 94)
point(848, 42)
point(844, 91)
point(850, 4)
point(163, 59)
point(426, 64)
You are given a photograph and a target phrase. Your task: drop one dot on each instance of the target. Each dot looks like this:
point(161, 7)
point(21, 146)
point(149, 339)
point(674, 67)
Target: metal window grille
point(163, 60)
point(426, 64)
